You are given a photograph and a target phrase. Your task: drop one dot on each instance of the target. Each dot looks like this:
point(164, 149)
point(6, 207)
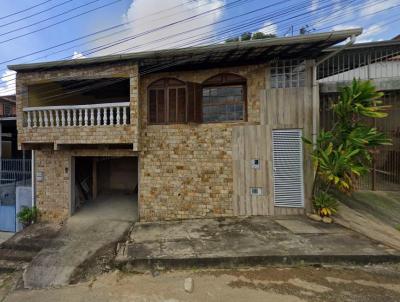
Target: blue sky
point(154, 24)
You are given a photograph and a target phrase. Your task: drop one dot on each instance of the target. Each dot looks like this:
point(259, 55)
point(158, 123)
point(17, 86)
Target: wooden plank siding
point(280, 108)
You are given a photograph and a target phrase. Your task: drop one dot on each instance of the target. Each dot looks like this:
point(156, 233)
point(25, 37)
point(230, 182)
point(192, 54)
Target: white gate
point(288, 168)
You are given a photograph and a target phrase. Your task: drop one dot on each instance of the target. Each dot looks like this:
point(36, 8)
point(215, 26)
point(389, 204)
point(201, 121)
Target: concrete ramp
point(99, 223)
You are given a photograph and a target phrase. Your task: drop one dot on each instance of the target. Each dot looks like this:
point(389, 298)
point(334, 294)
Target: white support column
point(46, 120)
point(34, 119)
point(68, 117)
point(74, 117)
point(86, 117)
point(57, 118)
point(91, 117)
point(80, 118)
point(51, 120)
point(98, 116)
point(63, 118)
point(105, 118)
point(124, 115)
point(40, 118)
point(111, 116)
point(29, 119)
point(118, 115)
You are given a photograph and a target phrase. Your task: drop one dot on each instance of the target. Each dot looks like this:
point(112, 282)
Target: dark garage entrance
point(100, 178)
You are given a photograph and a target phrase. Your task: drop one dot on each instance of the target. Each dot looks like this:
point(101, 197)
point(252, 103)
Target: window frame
point(240, 82)
point(166, 87)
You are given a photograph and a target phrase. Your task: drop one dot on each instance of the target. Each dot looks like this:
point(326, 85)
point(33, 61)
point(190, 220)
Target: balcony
point(77, 115)
point(78, 112)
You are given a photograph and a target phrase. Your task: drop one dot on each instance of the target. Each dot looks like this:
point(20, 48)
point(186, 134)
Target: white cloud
point(336, 14)
point(372, 6)
point(145, 16)
point(314, 5)
point(269, 28)
point(7, 83)
point(77, 55)
point(368, 33)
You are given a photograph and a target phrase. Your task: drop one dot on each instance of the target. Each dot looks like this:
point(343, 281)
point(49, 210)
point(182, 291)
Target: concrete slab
point(299, 227)
point(99, 223)
point(4, 236)
point(254, 240)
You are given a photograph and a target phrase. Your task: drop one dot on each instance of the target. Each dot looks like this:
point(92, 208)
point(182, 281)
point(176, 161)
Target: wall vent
point(288, 168)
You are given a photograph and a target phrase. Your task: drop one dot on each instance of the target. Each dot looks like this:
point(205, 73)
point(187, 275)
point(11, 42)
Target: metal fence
point(365, 63)
point(385, 173)
point(379, 62)
point(18, 171)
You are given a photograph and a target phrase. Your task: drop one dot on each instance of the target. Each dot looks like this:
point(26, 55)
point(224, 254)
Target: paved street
point(331, 284)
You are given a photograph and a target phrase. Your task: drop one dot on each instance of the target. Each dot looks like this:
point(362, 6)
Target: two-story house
point(208, 131)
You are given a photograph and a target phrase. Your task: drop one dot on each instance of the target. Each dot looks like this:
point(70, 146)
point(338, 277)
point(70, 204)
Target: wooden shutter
point(288, 168)
point(172, 105)
point(161, 106)
point(194, 97)
point(152, 106)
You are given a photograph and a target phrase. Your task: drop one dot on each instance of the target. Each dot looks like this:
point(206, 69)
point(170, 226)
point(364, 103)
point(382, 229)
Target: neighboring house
point(380, 63)
point(8, 127)
point(209, 131)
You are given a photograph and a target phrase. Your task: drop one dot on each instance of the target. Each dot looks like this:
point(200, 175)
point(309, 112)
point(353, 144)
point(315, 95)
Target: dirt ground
point(286, 284)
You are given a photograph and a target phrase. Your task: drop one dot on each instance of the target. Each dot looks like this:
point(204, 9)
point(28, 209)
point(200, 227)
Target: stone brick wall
point(79, 134)
point(53, 192)
point(186, 170)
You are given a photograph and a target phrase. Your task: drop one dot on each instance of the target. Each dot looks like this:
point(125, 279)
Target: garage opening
point(108, 180)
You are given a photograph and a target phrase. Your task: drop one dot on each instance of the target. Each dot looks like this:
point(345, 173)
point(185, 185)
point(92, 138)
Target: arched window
point(224, 98)
point(167, 101)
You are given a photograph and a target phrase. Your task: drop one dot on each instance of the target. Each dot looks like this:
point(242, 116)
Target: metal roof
point(224, 54)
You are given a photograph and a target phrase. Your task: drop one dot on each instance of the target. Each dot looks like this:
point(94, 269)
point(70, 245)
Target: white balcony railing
point(77, 115)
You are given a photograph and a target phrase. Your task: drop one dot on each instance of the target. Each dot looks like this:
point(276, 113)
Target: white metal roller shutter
point(288, 168)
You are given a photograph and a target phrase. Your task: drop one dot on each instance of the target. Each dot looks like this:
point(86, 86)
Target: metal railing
point(77, 115)
point(365, 64)
point(18, 171)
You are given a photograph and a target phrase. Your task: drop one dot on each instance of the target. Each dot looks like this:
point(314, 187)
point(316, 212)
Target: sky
point(46, 30)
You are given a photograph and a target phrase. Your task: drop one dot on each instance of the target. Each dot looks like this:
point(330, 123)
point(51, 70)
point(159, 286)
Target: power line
point(24, 10)
point(49, 18)
point(278, 22)
point(237, 1)
point(261, 20)
point(36, 14)
point(238, 16)
point(60, 22)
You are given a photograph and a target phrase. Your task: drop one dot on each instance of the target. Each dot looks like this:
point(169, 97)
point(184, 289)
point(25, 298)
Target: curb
point(233, 262)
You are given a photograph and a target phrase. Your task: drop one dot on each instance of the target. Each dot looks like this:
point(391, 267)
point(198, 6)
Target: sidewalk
point(247, 241)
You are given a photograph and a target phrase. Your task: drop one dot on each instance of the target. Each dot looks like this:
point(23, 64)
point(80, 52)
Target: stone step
point(16, 255)
point(8, 266)
point(27, 244)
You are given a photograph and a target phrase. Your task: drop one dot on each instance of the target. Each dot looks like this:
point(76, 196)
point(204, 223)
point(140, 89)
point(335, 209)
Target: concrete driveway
point(99, 223)
point(5, 236)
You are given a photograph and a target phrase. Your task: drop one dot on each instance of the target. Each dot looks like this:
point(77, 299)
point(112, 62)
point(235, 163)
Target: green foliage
point(247, 36)
point(325, 204)
point(260, 35)
point(344, 153)
point(27, 216)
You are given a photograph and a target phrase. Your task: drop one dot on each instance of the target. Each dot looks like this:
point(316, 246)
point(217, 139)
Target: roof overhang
point(224, 54)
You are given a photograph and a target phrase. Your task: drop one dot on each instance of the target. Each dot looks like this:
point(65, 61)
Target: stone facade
point(115, 134)
point(53, 190)
point(186, 170)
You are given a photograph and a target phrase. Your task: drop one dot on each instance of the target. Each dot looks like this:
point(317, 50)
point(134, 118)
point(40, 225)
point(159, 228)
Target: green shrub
point(27, 216)
point(325, 204)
